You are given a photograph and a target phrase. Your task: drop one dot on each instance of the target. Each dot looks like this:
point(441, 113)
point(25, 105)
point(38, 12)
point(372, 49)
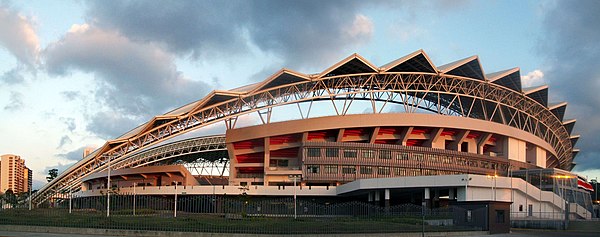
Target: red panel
point(421, 130)
point(389, 130)
point(289, 152)
point(493, 139)
point(386, 141)
point(414, 142)
point(251, 170)
point(473, 135)
point(356, 132)
point(449, 132)
point(284, 139)
point(249, 144)
point(320, 135)
point(258, 157)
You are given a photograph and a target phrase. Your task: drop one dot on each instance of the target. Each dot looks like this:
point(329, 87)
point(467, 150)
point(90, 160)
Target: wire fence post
point(134, 198)
point(175, 211)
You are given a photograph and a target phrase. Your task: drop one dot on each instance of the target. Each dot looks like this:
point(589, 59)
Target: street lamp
point(466, 179)
point(562, 191)
point(494, 177)
point(295, 205)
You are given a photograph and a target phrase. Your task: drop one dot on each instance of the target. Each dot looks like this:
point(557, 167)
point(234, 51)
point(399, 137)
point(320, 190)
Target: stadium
point(405, 132)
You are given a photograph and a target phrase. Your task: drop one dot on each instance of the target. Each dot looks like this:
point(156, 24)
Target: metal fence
point(238, 214)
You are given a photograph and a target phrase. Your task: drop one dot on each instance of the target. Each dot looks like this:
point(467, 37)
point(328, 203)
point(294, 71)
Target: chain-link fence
point(239, 214)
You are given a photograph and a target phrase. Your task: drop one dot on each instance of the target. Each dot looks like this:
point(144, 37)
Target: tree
point(10, 198)
point(52, 175)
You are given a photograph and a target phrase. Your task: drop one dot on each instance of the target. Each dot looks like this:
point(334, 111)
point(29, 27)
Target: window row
point(405, 156)
point(370, 170)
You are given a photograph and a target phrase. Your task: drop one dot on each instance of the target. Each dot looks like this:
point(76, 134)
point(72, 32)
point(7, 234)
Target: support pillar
point(387, 197)
point(370, 196)
point(427, 197)
point(451, 195)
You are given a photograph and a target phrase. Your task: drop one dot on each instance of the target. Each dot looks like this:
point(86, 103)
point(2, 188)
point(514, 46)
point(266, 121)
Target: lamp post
point(134, 197)
point(108, 190)
point(295, 202)
point(493, 177)
point(175, 209)
point(466, 180)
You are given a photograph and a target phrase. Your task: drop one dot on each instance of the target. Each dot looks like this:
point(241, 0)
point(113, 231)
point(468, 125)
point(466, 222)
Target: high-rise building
point(14, 175)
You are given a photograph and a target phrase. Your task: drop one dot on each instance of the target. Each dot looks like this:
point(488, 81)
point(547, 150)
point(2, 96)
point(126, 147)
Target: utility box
point(493, 216)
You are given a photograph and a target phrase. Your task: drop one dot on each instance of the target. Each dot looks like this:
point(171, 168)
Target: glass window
point(385, 154)
point(366, 170)
point(348, 169)
point(332, 152)
point(383, 170)
point(350, 153)
point(313, 169)
point(278, 163)
point(314, 152)
point(367, 154)
point(402, 156)
point(399, 171)
point(330, 169)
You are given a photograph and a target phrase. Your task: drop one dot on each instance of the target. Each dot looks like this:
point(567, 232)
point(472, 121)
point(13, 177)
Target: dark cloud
point(12, 77)
point(15, 101)
point(572, 53)
point(300, 32)
point(135, 81)
point(74, 155)
point(64, 141)
point(110, 125)
point(71, 95)
point(18, 36)
point(70, 123)
point(200, 28)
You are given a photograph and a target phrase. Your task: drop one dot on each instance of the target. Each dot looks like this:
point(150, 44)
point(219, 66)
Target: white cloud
point(533, 78)
point(361, 30)
point(18, 36)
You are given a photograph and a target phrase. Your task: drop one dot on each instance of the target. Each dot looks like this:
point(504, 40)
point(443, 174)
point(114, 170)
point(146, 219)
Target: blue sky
point(77, 73)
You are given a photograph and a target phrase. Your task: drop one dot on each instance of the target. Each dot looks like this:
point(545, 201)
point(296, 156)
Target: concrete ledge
point(115, 232)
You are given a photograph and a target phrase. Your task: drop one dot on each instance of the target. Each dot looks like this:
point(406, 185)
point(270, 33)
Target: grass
point(164, 221)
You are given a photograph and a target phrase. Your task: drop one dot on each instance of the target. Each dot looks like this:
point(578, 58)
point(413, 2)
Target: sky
point(74, 74)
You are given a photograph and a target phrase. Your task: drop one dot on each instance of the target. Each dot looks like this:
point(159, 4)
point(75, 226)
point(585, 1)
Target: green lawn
point(163, 220)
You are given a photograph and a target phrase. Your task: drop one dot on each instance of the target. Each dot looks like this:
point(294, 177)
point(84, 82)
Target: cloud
point(12, 77)
point(15, 101)
point(533, 78)
point(134, 80)
point(69, 122)
point(18, 36)
point(74, 155)
point(571, 50)
point(300, 32)
point(185, 27)
point(71, 95)
point(64, 141)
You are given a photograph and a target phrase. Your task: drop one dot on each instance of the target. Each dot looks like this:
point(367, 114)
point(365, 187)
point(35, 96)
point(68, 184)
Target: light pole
point(30, 196)
point(295, 203)
point(175, 209)
point(108, 190)
point(494, 177)
point(466, 180)
point(134, 197)
point(70, 197)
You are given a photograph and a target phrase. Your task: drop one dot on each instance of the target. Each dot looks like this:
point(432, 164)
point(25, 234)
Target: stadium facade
point(425, 134)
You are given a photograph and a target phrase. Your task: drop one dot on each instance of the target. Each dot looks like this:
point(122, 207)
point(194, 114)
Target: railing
point(237, 214)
